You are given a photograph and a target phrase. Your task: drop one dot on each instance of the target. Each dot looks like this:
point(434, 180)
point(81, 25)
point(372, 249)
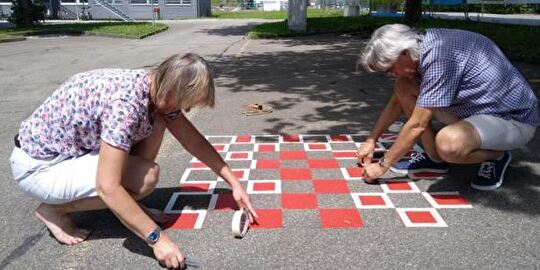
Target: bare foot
point(60, 225)
point(156, 215)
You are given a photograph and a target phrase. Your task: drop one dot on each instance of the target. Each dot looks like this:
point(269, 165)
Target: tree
point(26, 13)
point(413, 12)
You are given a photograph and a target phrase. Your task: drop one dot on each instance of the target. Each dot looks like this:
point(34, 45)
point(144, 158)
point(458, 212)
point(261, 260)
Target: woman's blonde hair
point(189, 77)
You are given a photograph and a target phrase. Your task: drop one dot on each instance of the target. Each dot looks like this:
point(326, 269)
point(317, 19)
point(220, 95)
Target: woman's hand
point(365, 152)
point(168, 253)
point(372, 171)
point(242, 199)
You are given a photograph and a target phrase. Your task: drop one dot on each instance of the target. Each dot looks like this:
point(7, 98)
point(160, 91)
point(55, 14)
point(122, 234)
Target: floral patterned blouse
point(112, 105)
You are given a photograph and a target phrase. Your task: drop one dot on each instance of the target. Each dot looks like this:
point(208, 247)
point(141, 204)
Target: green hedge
point(517, 41)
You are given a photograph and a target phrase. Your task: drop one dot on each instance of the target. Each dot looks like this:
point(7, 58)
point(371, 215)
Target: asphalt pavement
point(314, 88)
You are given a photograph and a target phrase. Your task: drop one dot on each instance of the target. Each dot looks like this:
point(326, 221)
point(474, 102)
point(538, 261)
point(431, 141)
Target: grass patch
point(282, 14)
point(120, 29)
point(519, 42)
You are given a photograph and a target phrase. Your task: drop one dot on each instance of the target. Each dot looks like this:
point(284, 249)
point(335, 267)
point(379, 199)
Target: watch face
point(153, 237)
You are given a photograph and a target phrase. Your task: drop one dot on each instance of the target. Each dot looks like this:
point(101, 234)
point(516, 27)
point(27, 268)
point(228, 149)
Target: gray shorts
point(495, 133)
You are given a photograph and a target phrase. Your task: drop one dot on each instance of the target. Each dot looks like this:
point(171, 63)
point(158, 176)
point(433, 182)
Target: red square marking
point(268, 219)
point(400, 185)
point(238, 174)
point(195, 187)
point(299, 201)
point(198, 165)
point(219, 147)
point(340, 218)
point(184, 221)
point(243, 139)
point(339, 138)
point(449, 199)
point(420, 217)
point(239, 155)
point(372, 200)
point(291, 138)
point(355, 172)
point(268, 164)
point(316, 146)
point(295, 174)
point(347, 154)
point(330, 186)
point(323, 163)
point(264, 186)
point(267, 148)
point(291, 155)
point(226, 201)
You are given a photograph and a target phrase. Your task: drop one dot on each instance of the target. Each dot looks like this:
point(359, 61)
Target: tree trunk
point(26, 5)
point(413, 12)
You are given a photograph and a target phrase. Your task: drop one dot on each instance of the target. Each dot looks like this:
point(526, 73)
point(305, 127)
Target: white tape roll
point(240, 224)
point(396, 127)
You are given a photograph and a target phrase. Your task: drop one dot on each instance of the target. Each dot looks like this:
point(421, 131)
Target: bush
point(26, 16)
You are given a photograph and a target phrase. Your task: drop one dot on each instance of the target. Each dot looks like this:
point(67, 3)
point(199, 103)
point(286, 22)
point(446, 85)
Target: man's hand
point(365, 152)
point(168, 254)
point(372, 171)
point(242, 199)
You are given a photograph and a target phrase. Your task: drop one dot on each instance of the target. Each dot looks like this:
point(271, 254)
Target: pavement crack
point(26, 245)
point(228, 47)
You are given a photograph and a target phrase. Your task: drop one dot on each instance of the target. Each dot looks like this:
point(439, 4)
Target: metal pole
point(77, 8)
point(153, 13)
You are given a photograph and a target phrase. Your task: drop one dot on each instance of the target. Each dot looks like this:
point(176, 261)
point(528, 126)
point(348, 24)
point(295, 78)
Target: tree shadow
point(321, 70)
point(105, 225)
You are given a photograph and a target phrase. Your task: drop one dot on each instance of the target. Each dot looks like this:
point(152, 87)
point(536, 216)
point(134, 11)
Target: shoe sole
point(498, 184)
point(418, 171)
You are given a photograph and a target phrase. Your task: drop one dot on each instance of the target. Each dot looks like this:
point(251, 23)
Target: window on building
point(178, 2)
point(143, 2)
point(114, 2)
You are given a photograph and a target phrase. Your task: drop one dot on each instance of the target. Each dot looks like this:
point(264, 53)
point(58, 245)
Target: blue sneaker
point(419, 163)
point(491, 173)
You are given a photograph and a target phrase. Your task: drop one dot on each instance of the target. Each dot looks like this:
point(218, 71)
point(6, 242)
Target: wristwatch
point(153, 236)
point(383, 161)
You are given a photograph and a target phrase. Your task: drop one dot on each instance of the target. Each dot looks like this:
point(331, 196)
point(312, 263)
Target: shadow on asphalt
point(104, 224)
point(353, 100)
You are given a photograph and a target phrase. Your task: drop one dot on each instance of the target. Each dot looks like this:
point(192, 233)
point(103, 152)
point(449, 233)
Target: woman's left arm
point(195, 143)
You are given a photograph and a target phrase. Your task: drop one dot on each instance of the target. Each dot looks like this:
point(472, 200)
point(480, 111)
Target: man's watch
point(153, 236)
point(383, 162)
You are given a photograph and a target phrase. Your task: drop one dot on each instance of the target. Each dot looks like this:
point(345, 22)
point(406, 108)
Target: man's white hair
point(385, 45)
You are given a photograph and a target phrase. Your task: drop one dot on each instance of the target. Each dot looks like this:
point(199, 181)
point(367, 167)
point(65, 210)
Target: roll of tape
point(240, 224)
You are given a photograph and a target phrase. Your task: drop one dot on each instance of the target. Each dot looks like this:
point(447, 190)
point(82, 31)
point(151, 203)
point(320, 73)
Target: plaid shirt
point(466, 74)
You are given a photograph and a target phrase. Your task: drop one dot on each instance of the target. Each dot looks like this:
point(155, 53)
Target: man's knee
point(451, 146)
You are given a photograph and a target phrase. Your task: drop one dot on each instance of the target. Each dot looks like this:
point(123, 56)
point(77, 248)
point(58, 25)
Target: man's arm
point(411, 131)
point(388, 116)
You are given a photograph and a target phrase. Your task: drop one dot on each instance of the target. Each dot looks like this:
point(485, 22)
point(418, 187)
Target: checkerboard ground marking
point(327, 147)
point(435, 204)
point(384, 196)
point(210, 190)
point(439, 221)
point(169, 208)
point(252, 185)
point(387, 183)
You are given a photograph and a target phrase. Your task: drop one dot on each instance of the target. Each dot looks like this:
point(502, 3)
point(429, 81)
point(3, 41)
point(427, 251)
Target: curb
point(83, 33)
point(12, 39)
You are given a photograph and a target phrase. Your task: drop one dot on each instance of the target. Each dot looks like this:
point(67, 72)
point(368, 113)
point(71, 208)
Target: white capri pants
point(495, 133)
point(55, 181)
